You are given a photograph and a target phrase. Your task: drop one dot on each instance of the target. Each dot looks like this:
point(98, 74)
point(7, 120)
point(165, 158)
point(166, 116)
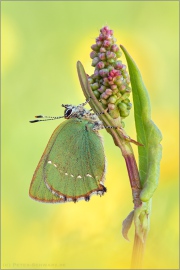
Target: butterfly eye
point(67, 113)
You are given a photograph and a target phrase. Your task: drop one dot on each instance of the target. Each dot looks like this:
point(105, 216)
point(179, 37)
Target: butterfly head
point(72, 111)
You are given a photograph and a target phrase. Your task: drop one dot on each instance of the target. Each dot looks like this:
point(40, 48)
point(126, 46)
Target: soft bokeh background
point(41, 43)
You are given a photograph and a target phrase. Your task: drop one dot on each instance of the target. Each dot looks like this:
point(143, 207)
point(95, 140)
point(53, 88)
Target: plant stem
point(127, 153)
point(138, 253)
point(139, 246)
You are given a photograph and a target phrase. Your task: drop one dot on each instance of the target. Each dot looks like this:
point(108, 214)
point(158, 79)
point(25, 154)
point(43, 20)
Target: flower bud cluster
point(110, 81)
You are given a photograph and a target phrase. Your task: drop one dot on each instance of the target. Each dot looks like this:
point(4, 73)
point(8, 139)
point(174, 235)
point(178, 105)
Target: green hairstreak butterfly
point(73, 164)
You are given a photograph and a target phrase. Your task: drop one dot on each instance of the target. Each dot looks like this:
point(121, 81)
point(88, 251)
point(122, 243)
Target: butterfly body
point(73, 164)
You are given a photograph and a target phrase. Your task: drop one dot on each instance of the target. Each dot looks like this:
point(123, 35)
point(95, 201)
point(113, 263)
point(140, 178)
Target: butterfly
point(73, 164)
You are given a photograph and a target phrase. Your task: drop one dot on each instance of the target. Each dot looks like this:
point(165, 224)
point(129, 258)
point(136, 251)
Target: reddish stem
point(138, 247)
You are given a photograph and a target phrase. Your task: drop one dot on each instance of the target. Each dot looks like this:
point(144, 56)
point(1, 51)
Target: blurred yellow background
point(41, 43)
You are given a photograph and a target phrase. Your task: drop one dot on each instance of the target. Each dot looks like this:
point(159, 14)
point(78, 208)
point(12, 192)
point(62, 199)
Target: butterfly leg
point(84, 103)
point(120, 129)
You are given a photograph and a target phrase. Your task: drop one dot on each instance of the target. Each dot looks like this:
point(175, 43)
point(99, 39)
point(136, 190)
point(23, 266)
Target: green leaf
point(97, 108)
point(147, 132)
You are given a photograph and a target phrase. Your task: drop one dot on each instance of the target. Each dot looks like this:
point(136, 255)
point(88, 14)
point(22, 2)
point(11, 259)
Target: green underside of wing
point(72, 165)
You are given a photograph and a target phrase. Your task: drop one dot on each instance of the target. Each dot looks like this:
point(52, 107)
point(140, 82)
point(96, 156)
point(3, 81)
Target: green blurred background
point(41, 43)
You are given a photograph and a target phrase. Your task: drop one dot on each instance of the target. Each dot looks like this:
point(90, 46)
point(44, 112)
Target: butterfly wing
point(72, 166)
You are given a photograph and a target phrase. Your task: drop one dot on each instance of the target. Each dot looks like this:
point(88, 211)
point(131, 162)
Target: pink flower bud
point(103, 72)
point(102, 89)
point(111, 82)
point(99, 43)
point(100, 65)
point(108, 37)
point(108, 92)
point(106, 82)
point(104, 95)
point(124, 67)
point(118, 65)
point(111, 106)
point(102, 56)
point(102, 50)
point(106, 43)
point(105, 30)
point(113, 87)
point(114, 48)
point(122, 87)
point(110, 55)
point(96, 74)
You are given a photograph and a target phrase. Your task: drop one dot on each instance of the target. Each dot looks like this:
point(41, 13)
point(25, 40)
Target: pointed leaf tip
point(126, 225)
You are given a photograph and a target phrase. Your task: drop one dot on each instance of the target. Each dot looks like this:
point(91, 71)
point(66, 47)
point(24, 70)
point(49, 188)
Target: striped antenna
point(47, 118)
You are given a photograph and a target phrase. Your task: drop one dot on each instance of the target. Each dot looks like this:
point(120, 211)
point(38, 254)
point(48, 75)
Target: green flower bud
point(96, 93)
point(112, 99)
point(118, 54)
point(93, 54)
point(122, 107)
point(114, 113)
point(124, 113)
point(102, 89)
point(125, 74)
point(94, 86)
point(128, 80)
point(90, 80)
point(103, 101)
point(94, 47)
point(129, 105)
point(111, 60)
point(118, 95)
point(126, 100)
point(95, 61)
point(119, 82)
point(125, 96)
point(110, 68)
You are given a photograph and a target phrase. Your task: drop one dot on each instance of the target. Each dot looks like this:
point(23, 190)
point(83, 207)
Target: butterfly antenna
point(47, 118)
